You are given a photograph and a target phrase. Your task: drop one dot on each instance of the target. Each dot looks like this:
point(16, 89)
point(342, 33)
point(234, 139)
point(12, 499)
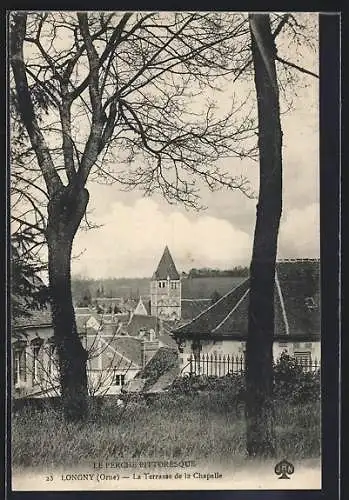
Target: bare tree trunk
point(259, 349)
point(65, 212)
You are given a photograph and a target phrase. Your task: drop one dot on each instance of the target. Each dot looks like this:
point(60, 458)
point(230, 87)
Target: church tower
point(165, 289)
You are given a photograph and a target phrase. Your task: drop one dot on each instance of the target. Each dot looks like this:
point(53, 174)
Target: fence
point(220, 365)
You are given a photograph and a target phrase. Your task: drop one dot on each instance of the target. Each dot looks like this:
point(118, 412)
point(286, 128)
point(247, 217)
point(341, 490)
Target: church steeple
point(165, 289)
point(166, 268)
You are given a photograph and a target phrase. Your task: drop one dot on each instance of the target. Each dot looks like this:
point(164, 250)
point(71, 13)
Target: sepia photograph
point(165, 250)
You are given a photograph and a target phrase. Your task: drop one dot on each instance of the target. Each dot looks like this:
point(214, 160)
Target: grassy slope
point(188, 427)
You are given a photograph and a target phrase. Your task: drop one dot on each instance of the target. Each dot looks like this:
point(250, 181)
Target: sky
point(132, 230)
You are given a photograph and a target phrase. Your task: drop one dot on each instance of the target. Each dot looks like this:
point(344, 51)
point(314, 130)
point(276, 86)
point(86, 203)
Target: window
point(162, 284)
point(35, 370)
point(52, 360)
point(173, 285)
point(303, 358)
point(119, 379)
point(20, 365)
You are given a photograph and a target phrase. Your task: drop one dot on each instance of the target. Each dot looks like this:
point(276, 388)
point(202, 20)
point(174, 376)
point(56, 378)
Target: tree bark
point(259, 348)
point(65, 211)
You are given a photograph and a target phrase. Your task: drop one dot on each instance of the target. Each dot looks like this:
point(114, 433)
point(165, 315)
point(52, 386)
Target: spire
point(166, 268)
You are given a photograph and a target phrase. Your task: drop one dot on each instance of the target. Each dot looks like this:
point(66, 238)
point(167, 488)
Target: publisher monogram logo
point(284, 469)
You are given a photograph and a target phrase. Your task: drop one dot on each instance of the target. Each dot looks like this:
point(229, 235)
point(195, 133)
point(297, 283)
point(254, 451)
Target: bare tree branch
point(39, 145)
point(295, 66)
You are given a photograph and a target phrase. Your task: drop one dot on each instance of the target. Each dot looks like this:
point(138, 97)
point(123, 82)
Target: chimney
point(149, 349)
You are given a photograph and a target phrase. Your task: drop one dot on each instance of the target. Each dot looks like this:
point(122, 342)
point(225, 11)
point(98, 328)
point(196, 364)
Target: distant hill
point(113, 287)
point(192, 288)
point(203, 288)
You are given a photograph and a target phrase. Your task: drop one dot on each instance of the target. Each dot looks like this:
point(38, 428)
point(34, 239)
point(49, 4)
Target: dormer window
point(310, 303)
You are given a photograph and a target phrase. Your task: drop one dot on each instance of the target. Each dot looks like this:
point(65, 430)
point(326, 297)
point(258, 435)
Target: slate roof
point(166, 267)
point(297, 285)
point(190, 308)
point(139, 322)
point(130, 347)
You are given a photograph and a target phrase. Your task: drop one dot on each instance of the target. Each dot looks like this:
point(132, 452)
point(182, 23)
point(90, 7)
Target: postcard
point(165, 251)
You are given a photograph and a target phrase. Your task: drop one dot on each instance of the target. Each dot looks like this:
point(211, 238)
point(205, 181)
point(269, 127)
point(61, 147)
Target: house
point(34, 361)
point(115, 360)
point(165, 289)
point(221, 329)
point(113, 357)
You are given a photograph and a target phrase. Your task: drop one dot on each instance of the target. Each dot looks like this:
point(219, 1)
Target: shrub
point(232, 383)
point(291, 384)
point(294, 385)
point(215, 393)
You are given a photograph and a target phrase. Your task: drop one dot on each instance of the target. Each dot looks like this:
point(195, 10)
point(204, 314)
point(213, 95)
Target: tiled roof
point(129, 347)
point(166, 267)
point(139, 323)
point(210, 318)
point(300, 285)
point(297, 286)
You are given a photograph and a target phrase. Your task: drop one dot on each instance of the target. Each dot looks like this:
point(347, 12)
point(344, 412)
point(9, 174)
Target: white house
point(113, 357)
point(221, 329)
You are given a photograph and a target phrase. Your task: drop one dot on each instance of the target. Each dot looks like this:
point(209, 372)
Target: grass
point(187, 427)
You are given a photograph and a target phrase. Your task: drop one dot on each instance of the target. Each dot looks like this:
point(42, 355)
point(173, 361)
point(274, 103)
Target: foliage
point(220, 392)
point(86, 299)
point(28, 292)
point(206, 272)
point(292, 383)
